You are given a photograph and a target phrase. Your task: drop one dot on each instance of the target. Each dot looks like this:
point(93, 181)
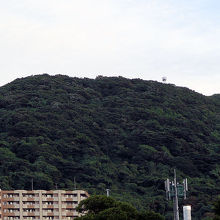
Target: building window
point(30, 195)
point(29, 210)
point(48, 195)
point(70, 195)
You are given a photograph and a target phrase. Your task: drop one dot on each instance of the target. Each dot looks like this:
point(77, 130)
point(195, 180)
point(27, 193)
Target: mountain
point(110, 132)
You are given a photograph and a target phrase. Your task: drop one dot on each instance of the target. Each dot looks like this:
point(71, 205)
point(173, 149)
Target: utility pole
point(175, 199)
point(74, 183)
point(32, 184)
point(174, 191)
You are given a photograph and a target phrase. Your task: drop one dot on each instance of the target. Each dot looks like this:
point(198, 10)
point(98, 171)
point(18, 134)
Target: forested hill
point(110, 132)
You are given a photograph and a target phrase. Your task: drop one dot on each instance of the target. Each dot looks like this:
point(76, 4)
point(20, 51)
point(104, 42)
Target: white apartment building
point(40, 204)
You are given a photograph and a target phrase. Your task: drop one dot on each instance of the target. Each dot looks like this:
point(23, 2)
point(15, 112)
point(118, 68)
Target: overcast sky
point(146, 39)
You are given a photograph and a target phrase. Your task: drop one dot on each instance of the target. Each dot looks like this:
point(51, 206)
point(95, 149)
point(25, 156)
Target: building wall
point(40, 204)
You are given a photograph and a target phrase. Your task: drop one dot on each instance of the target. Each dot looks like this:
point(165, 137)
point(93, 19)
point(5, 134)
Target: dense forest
point(126, 135)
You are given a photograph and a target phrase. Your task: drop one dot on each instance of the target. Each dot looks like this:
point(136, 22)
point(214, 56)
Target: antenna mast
point(174, 191)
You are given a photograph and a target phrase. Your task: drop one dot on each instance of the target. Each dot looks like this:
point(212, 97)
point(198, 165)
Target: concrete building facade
point(40, 204)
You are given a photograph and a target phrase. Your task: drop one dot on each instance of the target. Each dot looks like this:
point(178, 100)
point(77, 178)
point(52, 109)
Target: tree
point(107, 208)
point(217, 207)
point(150, 216)
point(96, 204)
point(217, 210)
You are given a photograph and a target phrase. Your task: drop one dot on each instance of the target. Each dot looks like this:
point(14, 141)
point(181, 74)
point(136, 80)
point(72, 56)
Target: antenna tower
point(164, 79)
point(174, 191)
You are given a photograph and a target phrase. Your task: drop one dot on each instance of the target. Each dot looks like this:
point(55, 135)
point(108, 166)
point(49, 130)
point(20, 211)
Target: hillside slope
point(126, 135)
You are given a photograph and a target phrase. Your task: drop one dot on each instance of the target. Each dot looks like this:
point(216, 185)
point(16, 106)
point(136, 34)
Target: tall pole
point(32, 184)
point(175, 198)
point(74, 183)
point(174, 191)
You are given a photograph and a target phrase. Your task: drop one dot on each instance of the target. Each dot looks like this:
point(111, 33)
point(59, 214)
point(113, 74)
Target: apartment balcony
point(26, 214)
point(11, 199)
point(70, 213)
point(50, 199)
point(34, 217)
point(10, 206)
point(54, 217)
point(11, 214)
point(34, 206)
point(66, 206)
point(72, 199)
point(50, 213)
point(54, 206)
point(30, 199)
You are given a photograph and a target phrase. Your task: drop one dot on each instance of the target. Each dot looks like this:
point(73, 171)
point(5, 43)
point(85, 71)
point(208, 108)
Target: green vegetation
point(125, 135)
point(217, 210)
point(107, 208)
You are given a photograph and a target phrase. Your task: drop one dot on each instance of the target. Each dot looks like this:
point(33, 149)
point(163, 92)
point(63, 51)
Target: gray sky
point(144, 39)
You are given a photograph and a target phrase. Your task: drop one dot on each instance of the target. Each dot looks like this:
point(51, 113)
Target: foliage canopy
point(110, 132)
point(107, 208)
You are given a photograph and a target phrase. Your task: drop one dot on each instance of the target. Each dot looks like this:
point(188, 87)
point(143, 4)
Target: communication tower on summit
point(164, 79)
point(174, 191)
